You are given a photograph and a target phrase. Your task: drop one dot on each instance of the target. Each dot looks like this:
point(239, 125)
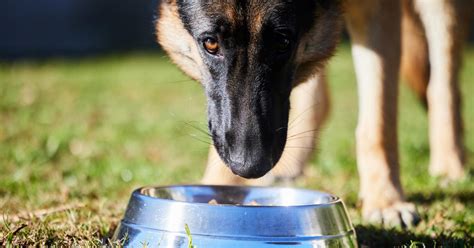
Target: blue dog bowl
point(228, 216)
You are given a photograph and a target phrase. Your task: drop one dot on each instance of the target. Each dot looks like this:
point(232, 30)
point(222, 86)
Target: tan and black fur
point(268, 56)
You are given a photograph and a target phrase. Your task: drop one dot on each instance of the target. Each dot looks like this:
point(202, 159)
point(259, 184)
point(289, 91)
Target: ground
point(78, 135)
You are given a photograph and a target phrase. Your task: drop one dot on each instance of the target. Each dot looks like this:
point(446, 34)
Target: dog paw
point(447, 169)
point(401, 214)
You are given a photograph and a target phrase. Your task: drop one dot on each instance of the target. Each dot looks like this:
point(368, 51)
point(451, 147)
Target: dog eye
point(282, 44)
point(211, 45)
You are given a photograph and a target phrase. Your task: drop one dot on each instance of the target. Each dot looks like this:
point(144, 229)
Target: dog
point(257, 59)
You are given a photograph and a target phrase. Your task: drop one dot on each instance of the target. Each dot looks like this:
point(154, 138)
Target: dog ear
point(318, 44)
point(176, 40)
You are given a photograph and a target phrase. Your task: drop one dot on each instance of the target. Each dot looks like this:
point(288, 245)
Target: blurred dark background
point(45, 28)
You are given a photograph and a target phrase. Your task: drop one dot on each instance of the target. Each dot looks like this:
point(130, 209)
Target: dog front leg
point(443, 29)
point(375, 31)
point(310, 106)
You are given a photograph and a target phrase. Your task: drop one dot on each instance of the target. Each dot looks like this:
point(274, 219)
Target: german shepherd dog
point(256, 59)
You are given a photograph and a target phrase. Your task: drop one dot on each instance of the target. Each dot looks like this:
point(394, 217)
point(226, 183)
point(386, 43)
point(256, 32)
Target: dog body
point(256, 58)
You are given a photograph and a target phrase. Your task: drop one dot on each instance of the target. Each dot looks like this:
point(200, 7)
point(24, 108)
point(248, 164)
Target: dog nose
point(250, 167)
point(247, 156)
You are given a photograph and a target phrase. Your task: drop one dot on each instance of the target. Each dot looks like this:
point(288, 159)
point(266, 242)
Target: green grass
point(77, 136)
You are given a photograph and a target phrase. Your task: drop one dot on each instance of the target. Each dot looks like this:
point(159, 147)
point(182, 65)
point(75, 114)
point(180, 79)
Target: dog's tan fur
point(178, 42)
point(415, 47)
point(431, 61)
point(440, 20)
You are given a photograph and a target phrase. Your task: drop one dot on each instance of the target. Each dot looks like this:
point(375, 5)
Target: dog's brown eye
point(211, 45)
point(283, 44)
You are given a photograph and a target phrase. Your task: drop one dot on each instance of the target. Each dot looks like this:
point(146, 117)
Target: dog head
point(248, 54)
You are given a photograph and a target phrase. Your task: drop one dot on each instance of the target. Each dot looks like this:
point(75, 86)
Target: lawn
point(77, 136)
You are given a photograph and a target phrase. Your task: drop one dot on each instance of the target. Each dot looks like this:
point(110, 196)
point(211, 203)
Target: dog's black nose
point(250, 167)
point(248, 153)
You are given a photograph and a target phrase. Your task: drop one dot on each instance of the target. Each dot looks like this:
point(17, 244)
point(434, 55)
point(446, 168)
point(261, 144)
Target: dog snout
point(247, 154)
point(246, 138)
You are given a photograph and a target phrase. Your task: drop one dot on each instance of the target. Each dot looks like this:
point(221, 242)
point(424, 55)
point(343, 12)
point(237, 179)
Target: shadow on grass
point(429, 198)
point(372, 236)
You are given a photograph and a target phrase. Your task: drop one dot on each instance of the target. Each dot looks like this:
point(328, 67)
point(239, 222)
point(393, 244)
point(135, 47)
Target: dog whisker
point(300, 137)
point(180, 81)
point(288, 167)
point(201, 140)
point(201, 130)
point(291, 124)
point(304, 132)
point(294, 158)
point(297, 147)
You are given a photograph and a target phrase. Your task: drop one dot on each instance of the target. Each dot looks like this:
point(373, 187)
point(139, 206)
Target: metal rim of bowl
point(307, 221)
point(333, 199)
